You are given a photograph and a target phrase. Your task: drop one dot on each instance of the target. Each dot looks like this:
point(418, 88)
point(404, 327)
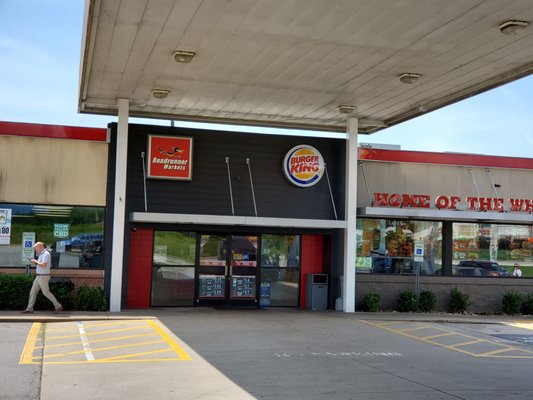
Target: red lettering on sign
point(472, 202)
point(516, 204)
point(497, 204)
point(395, 200)
point(442, 202)
point(424, 200)
point(529, 206)
point(453, 202)
point(381, 199)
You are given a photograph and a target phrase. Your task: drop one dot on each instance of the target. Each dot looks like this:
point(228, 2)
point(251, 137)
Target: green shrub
point(15, 292)
point(459, 301)
point(427, 302)
point(407, 301)
point(527, 304)
point(90, 299)
point(512, 303)
point(371, 302)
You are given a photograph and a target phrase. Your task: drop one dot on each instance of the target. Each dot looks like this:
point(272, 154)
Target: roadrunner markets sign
point(169, 157)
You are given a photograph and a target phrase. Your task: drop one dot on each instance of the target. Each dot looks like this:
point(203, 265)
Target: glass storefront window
point(244, 251)
point(74, 235)
point(172, 286)
point(173, 268)
point(174, 248)
point(491, 249)
point(280, 270)
point(213, 250)
point(280, 251)
point(387, 246)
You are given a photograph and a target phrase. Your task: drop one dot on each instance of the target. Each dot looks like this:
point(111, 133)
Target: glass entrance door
point(227, 269)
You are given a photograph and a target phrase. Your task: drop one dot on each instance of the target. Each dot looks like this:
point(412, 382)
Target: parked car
point(471, 271)
point(81, 240)
point(492, 267)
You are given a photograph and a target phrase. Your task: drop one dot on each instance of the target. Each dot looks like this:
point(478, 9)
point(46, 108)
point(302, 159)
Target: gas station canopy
point(299, 63)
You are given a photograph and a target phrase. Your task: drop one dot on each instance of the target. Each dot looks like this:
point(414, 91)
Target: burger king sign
point(303, 165)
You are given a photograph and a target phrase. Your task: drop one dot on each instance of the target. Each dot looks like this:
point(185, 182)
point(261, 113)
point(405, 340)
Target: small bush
point(371, 302)
point(512, 303)
point(527, 304)
point(15, 292)
point(427, 302)
point(407, 301)
point(459, 301)
point(90, 299)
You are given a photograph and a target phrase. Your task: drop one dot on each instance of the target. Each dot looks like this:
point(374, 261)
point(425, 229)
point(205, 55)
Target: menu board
point(243, 286)
point(211, 286)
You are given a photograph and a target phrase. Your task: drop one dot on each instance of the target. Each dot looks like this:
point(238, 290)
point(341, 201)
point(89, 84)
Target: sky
point(40, 46)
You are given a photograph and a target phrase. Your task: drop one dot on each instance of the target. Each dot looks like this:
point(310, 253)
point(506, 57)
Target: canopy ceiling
point(292, 63)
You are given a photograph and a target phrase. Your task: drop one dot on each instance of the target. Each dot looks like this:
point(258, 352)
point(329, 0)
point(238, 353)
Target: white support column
point(119, 210)
point(350, 216)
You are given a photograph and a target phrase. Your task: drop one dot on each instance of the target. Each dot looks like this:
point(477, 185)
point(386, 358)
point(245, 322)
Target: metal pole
point(473, 180)
point(251, 184)
point(366, 183)
point(417, 288)
point(230, 189)
point(492, 181)
point(330, 192)
point(144, 182)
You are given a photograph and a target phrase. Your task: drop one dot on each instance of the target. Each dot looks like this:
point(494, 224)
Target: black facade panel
point(208, 192)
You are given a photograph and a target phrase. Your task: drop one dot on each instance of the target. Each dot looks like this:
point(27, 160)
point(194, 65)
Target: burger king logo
point(303, 165)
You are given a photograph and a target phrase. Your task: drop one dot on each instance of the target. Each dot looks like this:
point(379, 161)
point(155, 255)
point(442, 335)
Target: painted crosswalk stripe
point(85, 343)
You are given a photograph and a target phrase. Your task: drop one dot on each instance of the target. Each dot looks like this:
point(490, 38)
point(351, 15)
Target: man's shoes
point(58, 309)
point(26, 311)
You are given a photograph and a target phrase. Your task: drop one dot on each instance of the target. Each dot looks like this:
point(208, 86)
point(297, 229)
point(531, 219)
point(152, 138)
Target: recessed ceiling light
point(182, 56)
point(409, 77)
point(513, 27)
point(160, 93)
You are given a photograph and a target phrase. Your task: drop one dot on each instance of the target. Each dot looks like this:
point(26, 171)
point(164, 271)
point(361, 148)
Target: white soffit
point(291, 63)
point(444, 215)
point(166, 218)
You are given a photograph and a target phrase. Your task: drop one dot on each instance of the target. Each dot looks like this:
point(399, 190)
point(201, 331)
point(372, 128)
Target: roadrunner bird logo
point(175, 152)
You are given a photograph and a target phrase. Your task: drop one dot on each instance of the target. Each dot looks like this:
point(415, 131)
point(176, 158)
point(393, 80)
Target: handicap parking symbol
point(28, 244)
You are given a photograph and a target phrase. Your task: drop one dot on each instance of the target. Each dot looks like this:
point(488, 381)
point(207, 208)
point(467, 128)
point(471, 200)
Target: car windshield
point(496, 267)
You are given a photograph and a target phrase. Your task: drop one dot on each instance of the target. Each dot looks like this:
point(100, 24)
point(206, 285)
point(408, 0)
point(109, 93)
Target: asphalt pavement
point(210, 353)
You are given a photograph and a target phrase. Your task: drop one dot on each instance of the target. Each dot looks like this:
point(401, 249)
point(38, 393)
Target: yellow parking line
point(499, 351)
point(183, 355)
point(456, 347)
point(415, 329)
point(100, 340)
point(122, 357)
point(468, 343)
point(151, 329)
point(98, 333)
point(438, 335)
point(69, 353)
point(29, 346)
point(113, 323)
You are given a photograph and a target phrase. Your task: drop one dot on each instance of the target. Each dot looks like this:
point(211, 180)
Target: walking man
point(42, 269)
